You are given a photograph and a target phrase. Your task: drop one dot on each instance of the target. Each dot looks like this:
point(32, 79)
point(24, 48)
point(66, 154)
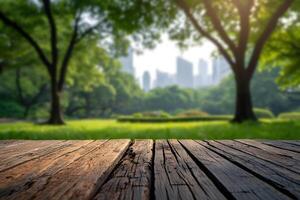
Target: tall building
point(146, 81)
point(221, 69)
point(184, 74)
point(127, 62)
point(163, 79)
point(203, 78)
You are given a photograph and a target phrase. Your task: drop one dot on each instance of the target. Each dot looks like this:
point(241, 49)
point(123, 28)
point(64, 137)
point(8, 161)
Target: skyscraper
point(220, 70)
point(184, 75)
point(127, 62)
point(163, 79)
point(146, 81)
point(203, 78)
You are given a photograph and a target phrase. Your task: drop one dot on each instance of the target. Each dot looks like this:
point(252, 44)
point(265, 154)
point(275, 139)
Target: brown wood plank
point(282, 145)
point(24, 146)
point(272, 157)
point(272, 149)
point(14, 182)
point(132, 178)
point(235, 180)
point(178, 177)
point(81, 178)
point(282, 179)
point(36, 153)
point(8, 143)
point(293, 142)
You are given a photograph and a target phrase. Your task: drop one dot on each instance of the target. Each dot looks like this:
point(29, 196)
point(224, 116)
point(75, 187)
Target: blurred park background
point(71, 63)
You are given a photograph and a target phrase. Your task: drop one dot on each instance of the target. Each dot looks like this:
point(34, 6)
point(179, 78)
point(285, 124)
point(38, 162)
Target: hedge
point(290, 115)
point(263, 113)
point(174, 119)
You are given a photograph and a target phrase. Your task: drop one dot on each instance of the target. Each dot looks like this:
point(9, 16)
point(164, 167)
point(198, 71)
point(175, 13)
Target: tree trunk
point(55, 113)
point(26, 111)
point(243, 104)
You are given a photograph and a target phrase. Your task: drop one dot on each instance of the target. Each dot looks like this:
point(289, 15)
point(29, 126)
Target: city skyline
point(180, 70)
point(184, 76)
point(163, 57)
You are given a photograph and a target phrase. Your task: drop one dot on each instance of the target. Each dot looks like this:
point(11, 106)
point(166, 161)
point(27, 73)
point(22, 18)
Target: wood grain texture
point(79, 176)
point(34, 153)
point(286, 181)
point(24, 179)
point(22, 147)
point(132, 178)
point(236, 181)
point(178, 177)
point(292, 147)
point(284, 161)
point(147, 169)
point(271, 149)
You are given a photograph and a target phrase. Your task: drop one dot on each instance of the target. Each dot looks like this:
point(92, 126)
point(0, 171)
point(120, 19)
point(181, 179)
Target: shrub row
point(263, 113)
point(175, 119)
point(290, 115)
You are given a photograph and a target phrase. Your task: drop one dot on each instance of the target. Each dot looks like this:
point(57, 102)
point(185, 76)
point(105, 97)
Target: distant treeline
point(25, 94)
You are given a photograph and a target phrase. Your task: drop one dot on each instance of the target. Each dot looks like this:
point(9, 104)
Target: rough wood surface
point(275, 158)
point(147, 169)
point(78, 179)
point(235, 181)
point(25, 178)
point(132, 178)
point(271, 149)
point(293, 147)
point(177, 176)
point(284, 180)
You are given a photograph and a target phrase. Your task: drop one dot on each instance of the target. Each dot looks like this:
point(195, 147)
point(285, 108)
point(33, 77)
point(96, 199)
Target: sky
point(163, 57)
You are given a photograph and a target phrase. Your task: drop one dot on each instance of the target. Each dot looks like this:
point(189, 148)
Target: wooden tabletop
point(147, 169)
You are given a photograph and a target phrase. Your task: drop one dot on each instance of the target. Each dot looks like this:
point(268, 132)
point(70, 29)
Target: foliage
point(107, 92)
point(192, 113)
point(152, 114)
point(163, 119)
point(71, 25)
point(25, 87)
point(283, 50)
point(290, 115)
point(265, 94)
point(104, 129)
point(10, 109)
point(263, 113)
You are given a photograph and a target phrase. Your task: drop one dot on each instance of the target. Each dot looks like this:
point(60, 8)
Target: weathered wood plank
point(236, 181)
point(282, 179)
point(14, 182)
point(132, 178)
point(178, 177)
point(8, 143)
point(82, 178)
point(272, 149)
point(275, 158)
point(282, 145)
point(36, 153)
point(293, 142)
point(23, 147)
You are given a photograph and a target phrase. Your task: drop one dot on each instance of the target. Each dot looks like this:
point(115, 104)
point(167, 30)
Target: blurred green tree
point(239, 30)
point(65, 23)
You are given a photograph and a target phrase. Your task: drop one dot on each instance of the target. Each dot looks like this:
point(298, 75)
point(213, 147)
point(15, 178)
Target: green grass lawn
point(100, 129)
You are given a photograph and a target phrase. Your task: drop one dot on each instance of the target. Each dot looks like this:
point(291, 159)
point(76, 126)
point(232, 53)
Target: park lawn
point(102, 129)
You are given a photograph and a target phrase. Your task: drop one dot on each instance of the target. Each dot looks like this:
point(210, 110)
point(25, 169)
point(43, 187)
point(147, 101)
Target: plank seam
point(245, 143)
point(290, 143)
point(110, 175)
point(260, 177)
point(275, 146)
point(209, 174)
point(274, 163)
